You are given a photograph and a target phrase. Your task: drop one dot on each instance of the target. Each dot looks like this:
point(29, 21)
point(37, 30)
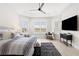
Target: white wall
point(71, 10)
point(8, 17)
point(56, 26)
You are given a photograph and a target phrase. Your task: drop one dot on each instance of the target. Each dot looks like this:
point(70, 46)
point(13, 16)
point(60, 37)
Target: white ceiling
point(51, 9)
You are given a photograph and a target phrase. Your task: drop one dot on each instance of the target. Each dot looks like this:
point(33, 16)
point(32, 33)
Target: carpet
point(46, 49)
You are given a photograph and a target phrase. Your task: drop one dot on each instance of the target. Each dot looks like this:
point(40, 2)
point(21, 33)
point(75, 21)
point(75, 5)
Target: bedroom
point(23, 21)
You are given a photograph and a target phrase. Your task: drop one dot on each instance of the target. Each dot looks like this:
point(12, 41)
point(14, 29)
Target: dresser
point(66, 37)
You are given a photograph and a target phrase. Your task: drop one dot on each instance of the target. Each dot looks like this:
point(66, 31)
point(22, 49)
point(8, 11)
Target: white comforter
point(20, 46)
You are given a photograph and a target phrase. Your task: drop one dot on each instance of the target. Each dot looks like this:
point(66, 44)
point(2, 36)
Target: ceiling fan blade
point(43, 11)
point(33, 10)
point(41, 5)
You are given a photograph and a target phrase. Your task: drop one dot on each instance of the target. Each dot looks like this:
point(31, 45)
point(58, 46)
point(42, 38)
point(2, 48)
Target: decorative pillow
point(12, 35)
point(1, 36)
point(26, 35)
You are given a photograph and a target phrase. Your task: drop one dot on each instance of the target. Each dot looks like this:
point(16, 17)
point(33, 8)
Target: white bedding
point(21, 46)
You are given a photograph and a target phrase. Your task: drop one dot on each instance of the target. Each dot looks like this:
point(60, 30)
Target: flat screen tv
point(70, 24)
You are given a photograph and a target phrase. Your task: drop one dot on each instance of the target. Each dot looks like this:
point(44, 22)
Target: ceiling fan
point(40, 8)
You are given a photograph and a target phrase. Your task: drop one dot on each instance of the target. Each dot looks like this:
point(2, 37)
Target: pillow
point(26, 35)
point(17, 36)
point(12, 35)
point(1, 36)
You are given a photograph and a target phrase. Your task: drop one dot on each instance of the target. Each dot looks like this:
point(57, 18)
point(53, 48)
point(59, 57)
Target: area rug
point(46, 49)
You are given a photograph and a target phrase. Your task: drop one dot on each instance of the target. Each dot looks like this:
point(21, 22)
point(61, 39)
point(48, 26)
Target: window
point(34, 25)
point(40, 26)
point(24, 25)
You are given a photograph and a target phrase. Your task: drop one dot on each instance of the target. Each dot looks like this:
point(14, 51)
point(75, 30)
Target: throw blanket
point(17, 46)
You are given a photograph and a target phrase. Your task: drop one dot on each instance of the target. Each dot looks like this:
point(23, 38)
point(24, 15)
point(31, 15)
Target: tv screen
point(70, 23)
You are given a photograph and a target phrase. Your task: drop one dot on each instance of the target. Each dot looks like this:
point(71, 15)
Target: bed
point(18, 46)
